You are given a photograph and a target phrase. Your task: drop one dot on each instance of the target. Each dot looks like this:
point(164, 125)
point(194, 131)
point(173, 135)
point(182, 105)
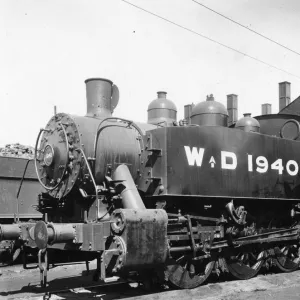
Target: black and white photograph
point(149, 149)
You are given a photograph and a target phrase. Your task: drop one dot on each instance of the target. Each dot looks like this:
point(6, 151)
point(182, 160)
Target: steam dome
point(209, 113)
point(161, 110)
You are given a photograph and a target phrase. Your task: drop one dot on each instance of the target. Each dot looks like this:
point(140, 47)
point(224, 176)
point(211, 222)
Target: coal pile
point(17, 150)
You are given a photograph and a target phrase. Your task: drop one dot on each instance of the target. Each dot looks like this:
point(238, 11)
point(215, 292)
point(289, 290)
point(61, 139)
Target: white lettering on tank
point(212, 162)
point(294, 170)
point(228, 160)
point(194, 156)
point(277, 165)
point(262, 164)
point(250, 163)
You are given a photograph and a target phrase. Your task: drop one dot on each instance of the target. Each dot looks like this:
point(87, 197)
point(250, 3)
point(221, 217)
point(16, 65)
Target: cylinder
point(9, 232)
point(127, 189)
point(144, 233)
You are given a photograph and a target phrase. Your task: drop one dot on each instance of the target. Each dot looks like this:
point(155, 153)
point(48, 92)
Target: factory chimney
point(102, 97)
point(232, 107)
point(284, 94)
point(266, 109)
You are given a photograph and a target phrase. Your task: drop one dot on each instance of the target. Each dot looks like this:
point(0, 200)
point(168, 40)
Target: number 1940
point(261, 165)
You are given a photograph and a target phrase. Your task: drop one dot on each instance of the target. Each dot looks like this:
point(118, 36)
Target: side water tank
point(209, 113)
point(247, 123)
point(162, 111)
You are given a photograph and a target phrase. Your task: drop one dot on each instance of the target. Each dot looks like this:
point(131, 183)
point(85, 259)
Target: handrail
point(21, 183)
point(22, 179)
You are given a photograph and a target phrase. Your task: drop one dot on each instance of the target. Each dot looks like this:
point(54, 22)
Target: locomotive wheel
point(287, 257)
point(245, 265)
point(187, 273)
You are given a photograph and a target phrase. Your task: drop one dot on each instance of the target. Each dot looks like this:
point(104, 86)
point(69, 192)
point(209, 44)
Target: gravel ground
point(16, 283)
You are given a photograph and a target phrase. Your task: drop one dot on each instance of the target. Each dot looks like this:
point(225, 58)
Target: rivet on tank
point(248, 124)
point(162, 111)
point(209, 113)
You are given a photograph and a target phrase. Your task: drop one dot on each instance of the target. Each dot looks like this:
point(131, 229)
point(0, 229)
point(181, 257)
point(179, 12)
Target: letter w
point(194, 156)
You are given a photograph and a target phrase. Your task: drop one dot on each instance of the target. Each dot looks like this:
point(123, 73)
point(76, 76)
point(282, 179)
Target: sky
point(49, 47)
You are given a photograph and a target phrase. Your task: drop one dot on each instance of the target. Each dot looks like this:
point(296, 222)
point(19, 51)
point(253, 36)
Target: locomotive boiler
point(166, 200)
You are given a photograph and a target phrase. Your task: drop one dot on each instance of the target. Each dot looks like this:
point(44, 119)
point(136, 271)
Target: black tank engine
point(176, 200)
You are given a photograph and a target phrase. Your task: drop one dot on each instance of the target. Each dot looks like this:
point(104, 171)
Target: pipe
point(266, 109)
point(232, 108)
point(127, 189)
point(188, 112)
point(10, 232)
point(284, 94)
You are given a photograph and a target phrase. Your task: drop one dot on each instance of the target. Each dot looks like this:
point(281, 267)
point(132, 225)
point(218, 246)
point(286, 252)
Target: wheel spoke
point(186, 273)
point(285, 251)
point(287, 258)
point(247, 267)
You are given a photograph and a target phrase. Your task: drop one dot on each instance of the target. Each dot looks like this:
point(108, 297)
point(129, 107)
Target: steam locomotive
point(167, 200)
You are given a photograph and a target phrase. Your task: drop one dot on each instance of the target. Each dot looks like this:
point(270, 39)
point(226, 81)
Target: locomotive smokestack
point(232, 107)
point(102, 97)
point(284, 94)
point(266, 109)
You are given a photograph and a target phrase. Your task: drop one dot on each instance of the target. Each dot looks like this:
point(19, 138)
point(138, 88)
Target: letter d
point(228, 160)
